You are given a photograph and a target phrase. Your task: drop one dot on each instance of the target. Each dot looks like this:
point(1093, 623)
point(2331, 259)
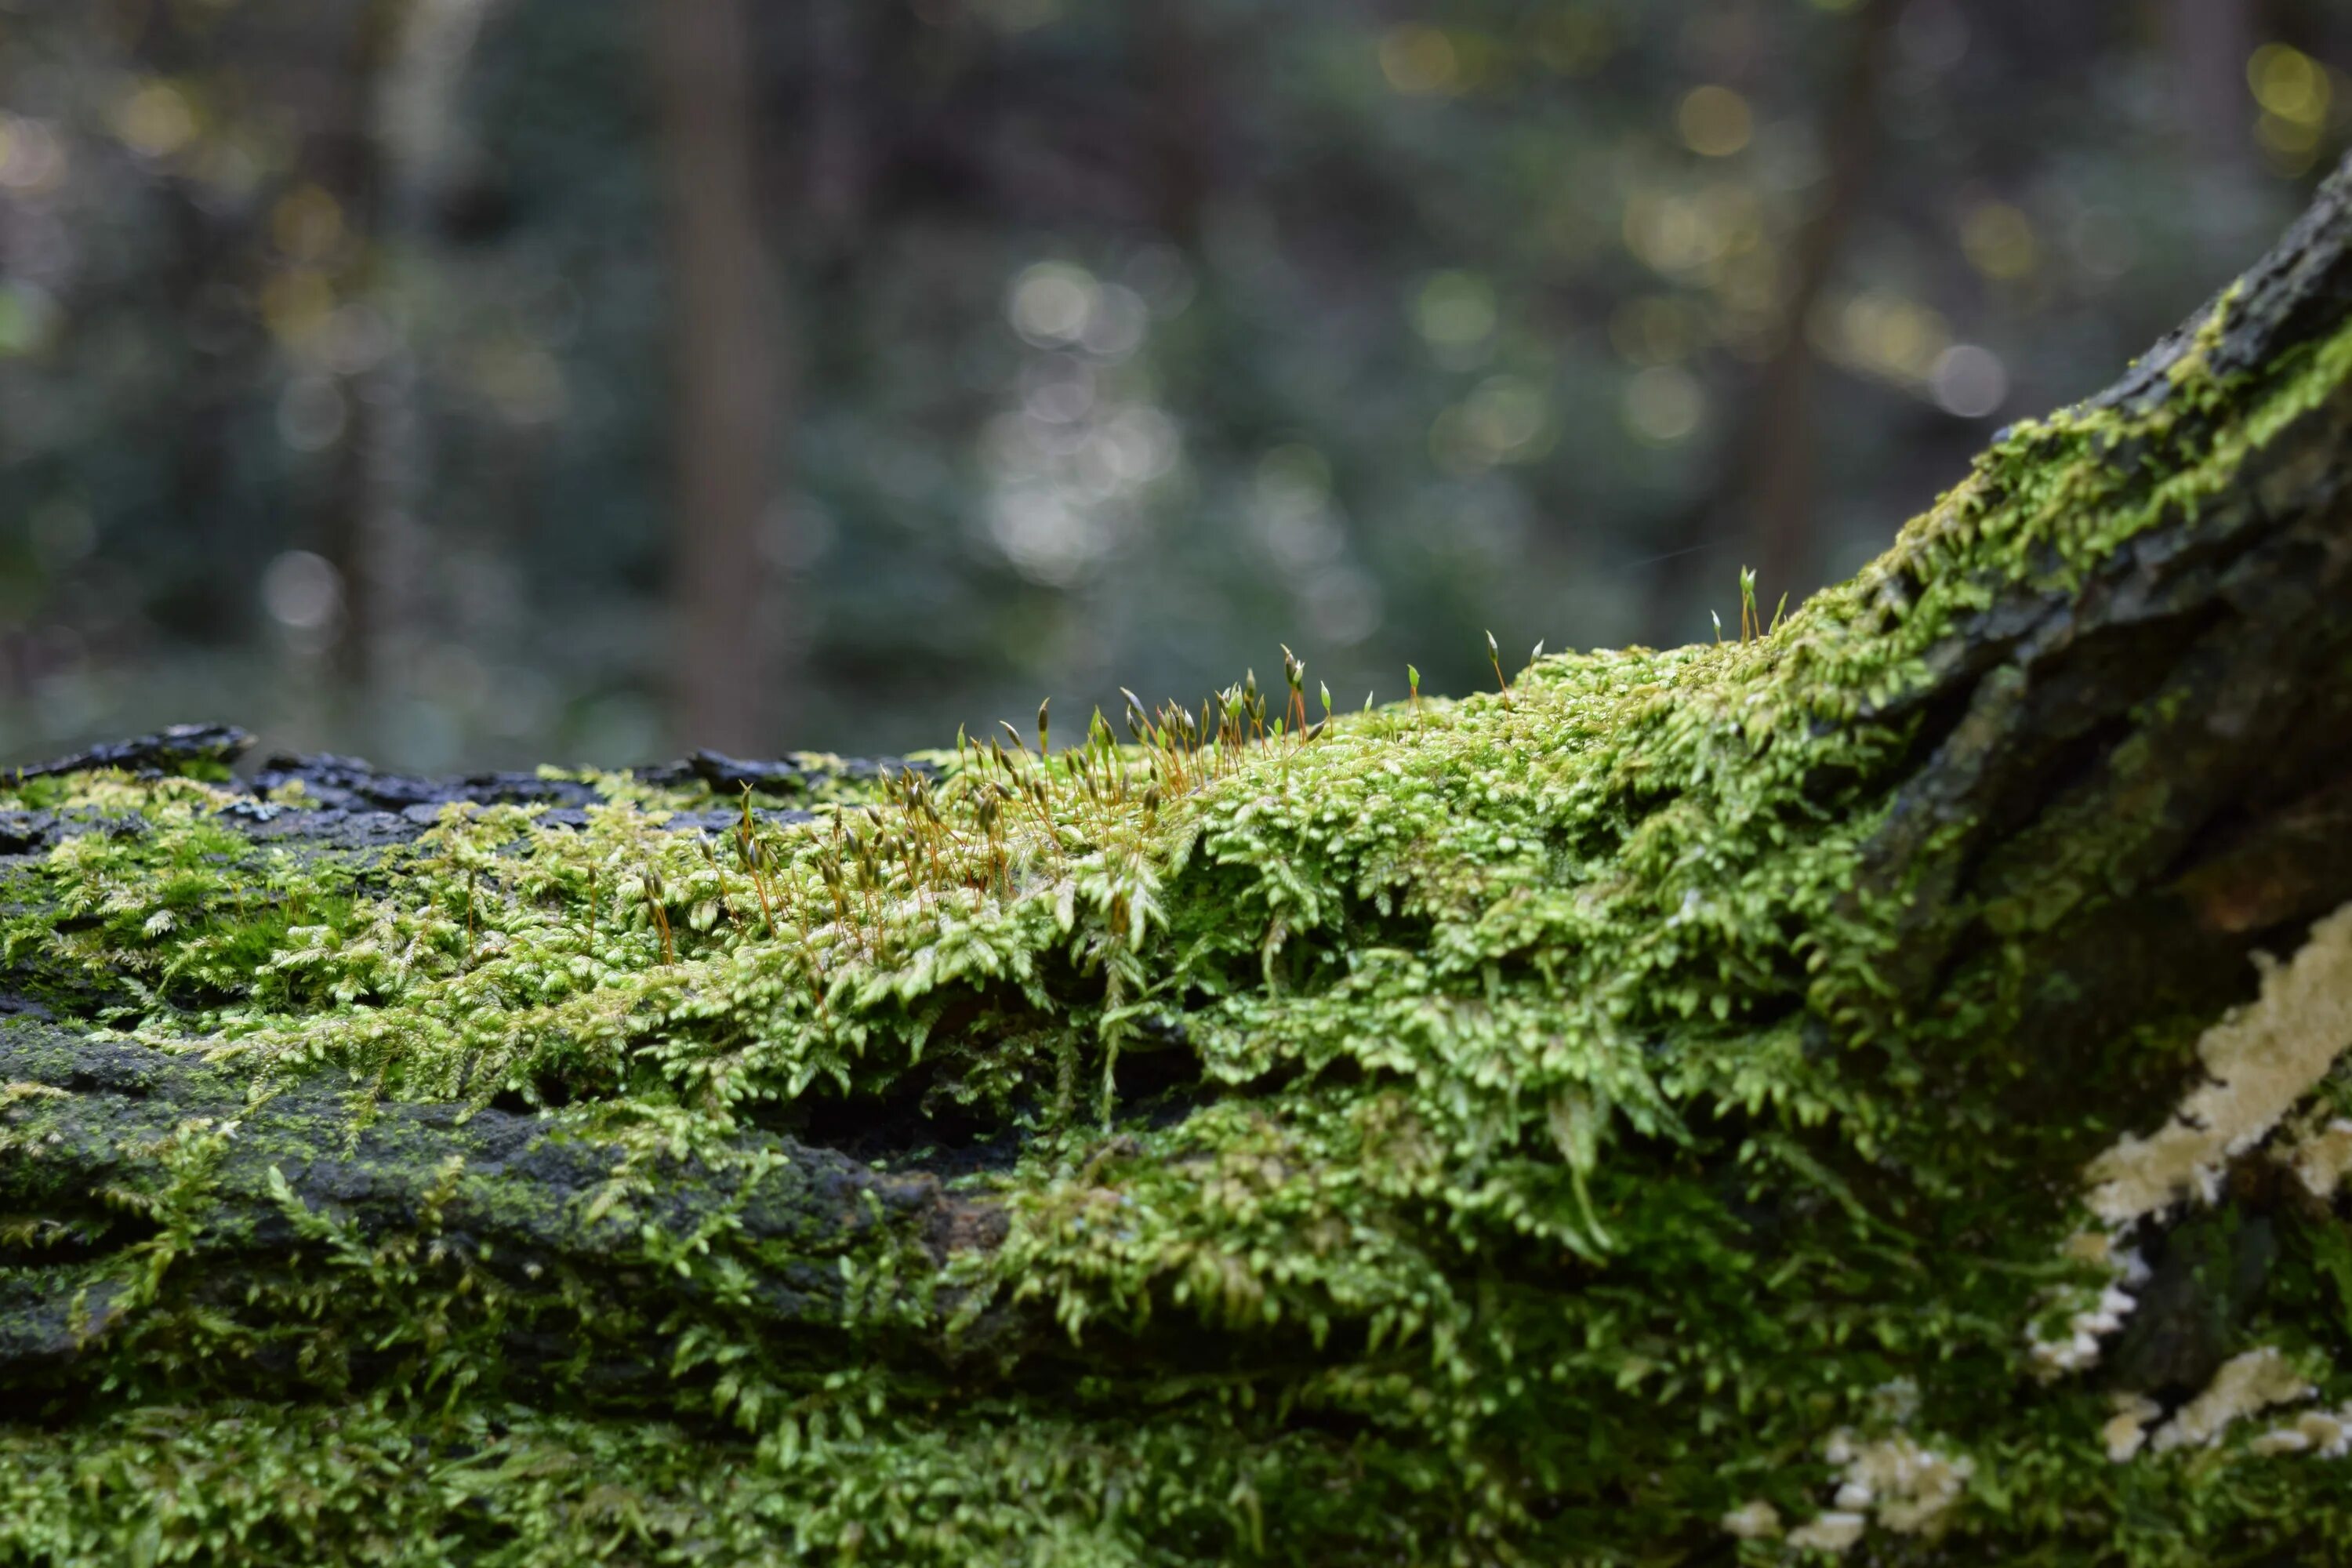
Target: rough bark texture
point(1638, 1116)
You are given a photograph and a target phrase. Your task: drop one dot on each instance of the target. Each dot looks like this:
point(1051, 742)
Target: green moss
point(1551, 1170)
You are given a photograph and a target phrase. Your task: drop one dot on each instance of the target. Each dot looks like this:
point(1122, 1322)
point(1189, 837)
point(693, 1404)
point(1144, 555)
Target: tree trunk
point(1685, 1099)
point(1767, 497)
point(349, 153)
point(727, 375)
point(1779, 496)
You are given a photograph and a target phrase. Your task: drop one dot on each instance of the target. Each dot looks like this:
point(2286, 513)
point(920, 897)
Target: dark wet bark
point(555, 1210)
point(2147, 771)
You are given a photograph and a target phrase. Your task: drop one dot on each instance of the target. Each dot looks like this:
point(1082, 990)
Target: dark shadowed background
point(473, 382)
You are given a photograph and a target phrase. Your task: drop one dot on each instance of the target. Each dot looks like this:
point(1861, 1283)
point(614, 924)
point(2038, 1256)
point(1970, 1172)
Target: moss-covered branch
point(596, 1235)
point(1639, 1115)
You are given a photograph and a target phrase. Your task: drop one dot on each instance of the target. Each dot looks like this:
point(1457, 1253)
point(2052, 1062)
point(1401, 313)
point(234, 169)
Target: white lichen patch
point(1894, 1481)
point(2322, 1157)
point(1755, 1520)
point(2078, 1348)
point(2324, 1433)
point(2126, 1432)
point(1837, 1531)
point(2087, 1318)
point(2259, 1059)
point(1908, 1488)
point(2245, 1385)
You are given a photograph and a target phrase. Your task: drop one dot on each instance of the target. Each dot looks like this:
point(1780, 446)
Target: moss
point(1478, 1130)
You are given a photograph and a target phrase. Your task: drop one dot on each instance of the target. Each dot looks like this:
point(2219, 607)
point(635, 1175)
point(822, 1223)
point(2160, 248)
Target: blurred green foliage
point(1123, 342)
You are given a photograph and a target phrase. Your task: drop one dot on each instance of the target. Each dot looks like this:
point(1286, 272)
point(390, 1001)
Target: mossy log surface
point(1702, 1106)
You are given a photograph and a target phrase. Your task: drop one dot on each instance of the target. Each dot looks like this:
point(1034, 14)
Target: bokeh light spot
point(1506, 416)
point(155, 120)
point(1046, 538)
point(301, 591)
point(358, 337)
point(1116, 325)
point(1969, 380)
point(1454, 310)
point(1161, 278)
point(1663, 405)
point(32, 155)
point(296, 306)
point(1057, 389)
point(1299, 530)
point(1999, 241)
point(28, 318)
point(2292, 146)
point(1888, 336)
point(1051, 302)
point(1293, 478)
point(1420, 61)
point(307, 223)
point(1714, 121)
point(1687, 235)
point(522, 381)
point(1343, 604)
point(1142, 444)
point(2289, 84)
point(312, 414)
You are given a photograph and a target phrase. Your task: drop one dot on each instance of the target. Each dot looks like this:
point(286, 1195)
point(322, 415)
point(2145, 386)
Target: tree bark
point(523, 1204)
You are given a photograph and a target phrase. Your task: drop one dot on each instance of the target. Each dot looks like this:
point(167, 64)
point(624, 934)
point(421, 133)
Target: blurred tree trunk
point(348, 163)
point(727, 379)
point(1183, 117)
point(838, 176)
point(1766, 498)
point(1775, 468)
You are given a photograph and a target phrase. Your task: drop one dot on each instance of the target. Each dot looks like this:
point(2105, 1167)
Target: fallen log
point(1867, 1085)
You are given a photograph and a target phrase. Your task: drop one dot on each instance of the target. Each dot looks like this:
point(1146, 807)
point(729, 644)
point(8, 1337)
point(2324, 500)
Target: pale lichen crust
point(2260, 1063)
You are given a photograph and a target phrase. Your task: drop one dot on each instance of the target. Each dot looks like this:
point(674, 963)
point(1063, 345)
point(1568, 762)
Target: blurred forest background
point(479, 382)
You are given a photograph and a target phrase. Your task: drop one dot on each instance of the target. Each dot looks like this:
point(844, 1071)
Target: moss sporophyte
point(1472, 1131)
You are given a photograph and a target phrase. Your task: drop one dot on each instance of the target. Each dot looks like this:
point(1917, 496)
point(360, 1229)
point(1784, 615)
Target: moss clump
point(1482, 1132)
